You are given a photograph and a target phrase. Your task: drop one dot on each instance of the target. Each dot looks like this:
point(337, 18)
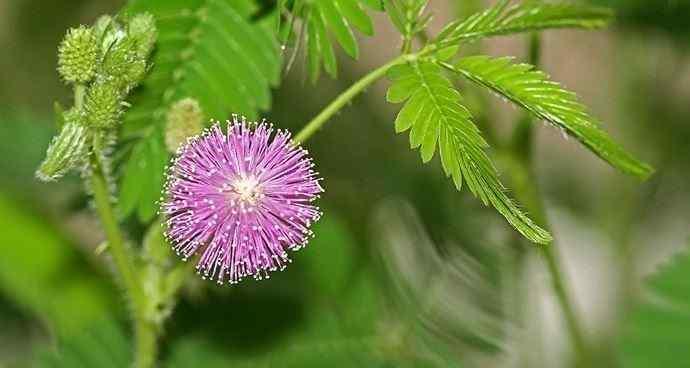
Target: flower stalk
point(358, 87)
point(526, 190)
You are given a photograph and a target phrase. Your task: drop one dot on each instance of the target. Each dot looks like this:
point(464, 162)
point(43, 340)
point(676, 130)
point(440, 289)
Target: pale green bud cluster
point(184, 119)
point(104, 63)
point(78, 55)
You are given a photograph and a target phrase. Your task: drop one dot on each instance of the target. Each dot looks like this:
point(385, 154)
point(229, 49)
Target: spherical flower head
point(241, 200)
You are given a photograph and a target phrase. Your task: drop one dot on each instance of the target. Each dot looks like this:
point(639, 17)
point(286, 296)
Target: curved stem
point(311, 127)
point(527, 192)
point(145, 332)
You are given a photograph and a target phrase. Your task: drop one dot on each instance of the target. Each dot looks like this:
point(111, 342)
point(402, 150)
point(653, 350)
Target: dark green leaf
point(102, 345)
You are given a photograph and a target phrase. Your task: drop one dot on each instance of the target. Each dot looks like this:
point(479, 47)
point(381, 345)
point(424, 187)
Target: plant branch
point(145, 332)
point(527, 192)
point(315, 124)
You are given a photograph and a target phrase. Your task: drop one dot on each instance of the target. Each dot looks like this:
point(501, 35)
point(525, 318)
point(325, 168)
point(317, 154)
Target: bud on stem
point(78, 55)
point(67, 151)
point(184, 119)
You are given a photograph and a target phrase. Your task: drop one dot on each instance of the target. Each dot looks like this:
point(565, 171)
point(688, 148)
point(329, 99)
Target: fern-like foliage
point(656, 332)
point(435, 117)
point(408, 16)
point(317, 19)
point(533, 90)
point(503, 18)
point(209, 50)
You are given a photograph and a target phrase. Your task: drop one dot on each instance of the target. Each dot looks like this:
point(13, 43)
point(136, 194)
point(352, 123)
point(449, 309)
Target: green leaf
point(503, 19)
point(406, 15)
point(436, 117)
point(656, 333)
point(209, 50)
point(102, 345)
point(329, 259)
point(318, 17)
point(141, 185)
point(41, 272)
point(533, 90)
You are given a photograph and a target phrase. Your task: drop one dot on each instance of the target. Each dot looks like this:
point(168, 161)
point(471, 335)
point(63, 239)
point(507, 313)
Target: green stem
point(527, 193)
point(145, 332)
point(315, 124)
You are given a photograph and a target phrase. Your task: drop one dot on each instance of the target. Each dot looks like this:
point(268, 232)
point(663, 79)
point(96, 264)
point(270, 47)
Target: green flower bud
point(184, 119)
point(103, 106)
point(67, 151)
point(77, 55)
point(123, 65)
point(142, 28)
point(102, 25)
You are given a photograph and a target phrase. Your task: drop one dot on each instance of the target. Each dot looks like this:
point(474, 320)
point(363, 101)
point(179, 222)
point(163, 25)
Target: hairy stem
point(315, 124)
point(145, 332)
point(527, 192)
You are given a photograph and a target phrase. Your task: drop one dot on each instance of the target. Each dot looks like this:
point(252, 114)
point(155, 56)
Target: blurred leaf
point(670, 17)
point(101, 345)
point(435, 116)
point(141, 177)
point(532, 89)
point(452, 298)
point(406, 16)
point(656, 333)
point(22, 153)
point(337, 317)
point(320, 17)
point(329, 258)
point(502, 19)
point(207, 50)
point(40, 271)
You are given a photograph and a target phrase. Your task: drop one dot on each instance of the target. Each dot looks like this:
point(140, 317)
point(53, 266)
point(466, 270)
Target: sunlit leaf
point(503, 19)
point(435, 116)
point(533, 90)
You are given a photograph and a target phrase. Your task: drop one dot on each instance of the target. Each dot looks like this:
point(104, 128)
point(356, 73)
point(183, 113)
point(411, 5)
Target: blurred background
point(404, 271)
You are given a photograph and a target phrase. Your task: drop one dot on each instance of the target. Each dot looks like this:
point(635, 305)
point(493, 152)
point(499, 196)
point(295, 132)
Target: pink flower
point(241, 199)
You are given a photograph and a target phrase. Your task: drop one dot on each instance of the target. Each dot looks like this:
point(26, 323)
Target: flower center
point(248, 189)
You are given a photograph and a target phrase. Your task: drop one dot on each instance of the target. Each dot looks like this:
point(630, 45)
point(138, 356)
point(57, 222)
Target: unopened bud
point(142, 28)
point(77, 55)
point(101, 26)
point(123, 65)
point(67, 151)
point(102, 108)
point(184, 119)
